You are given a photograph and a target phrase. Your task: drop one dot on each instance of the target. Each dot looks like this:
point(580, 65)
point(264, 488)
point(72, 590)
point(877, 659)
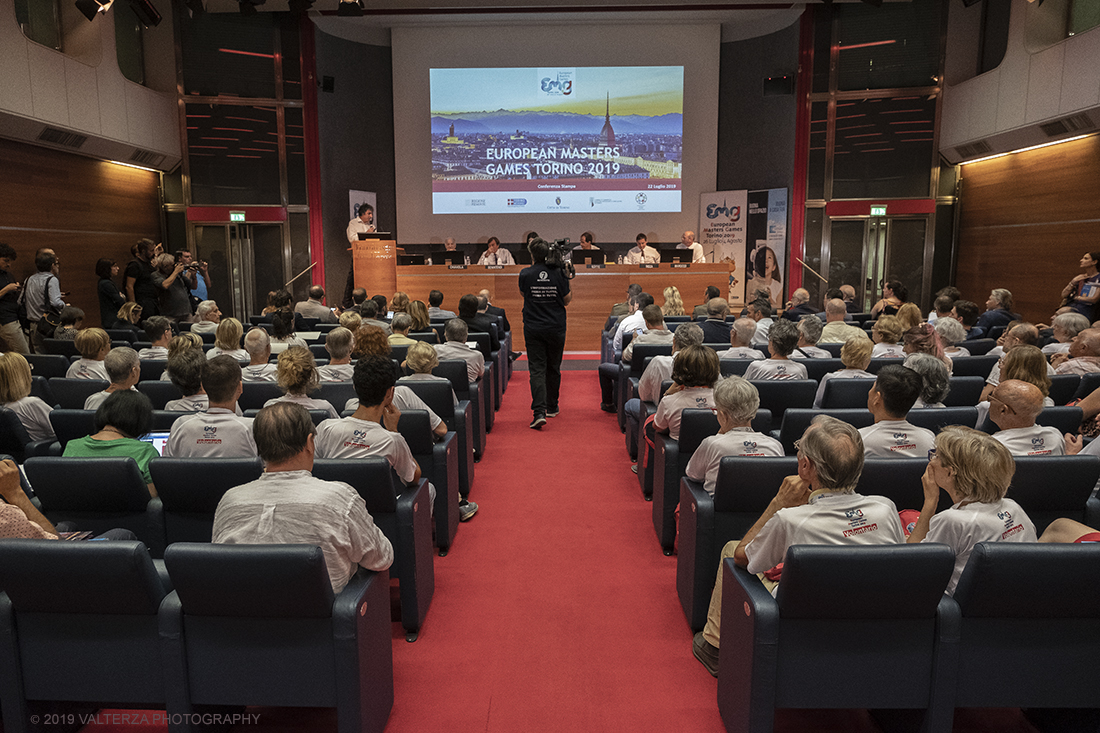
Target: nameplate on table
point(681, 265)
point(648, 265)
point(456, 267)
point(595, 267)
point(494, 267)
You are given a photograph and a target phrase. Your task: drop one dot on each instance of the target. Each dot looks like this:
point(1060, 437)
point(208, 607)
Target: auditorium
point(414, 365)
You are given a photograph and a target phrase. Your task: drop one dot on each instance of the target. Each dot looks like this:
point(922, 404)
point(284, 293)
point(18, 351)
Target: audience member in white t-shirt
point(782, 338)
point(338, 344)
point(123, 371)
point(855, 355)
point(741, 334)
point(1019, 336)
point(886, 333)
point(282, 332)
point(975, 470)
point(217, 432)
point(15, 394)
point(93, 344)
point(456, 332)
point(297, 377)
point(895, 390)
point(942, 305)
point(951, 333)
point(186, 368)
point(934, 376)
point(227, 340)
point(815, 507)
point(372, 429)
point(809, 332)
point(695, 370)
point(260, 369)
point(1013, 407)
point(158, 330)
point(736, 401)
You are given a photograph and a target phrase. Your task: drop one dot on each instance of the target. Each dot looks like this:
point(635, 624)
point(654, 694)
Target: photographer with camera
point(546, 293)
point(196, 276)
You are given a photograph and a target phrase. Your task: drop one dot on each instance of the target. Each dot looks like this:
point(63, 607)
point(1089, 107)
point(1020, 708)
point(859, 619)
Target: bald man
point(836, 331)
point(1013, 407)
point(687, 241)
point(799, 305)
point(1083, 356)
point(850, 304)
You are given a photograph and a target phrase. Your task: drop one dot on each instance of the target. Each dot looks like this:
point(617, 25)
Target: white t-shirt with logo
point(87, 369)
point(776, 369)
point(962, 527)
point(336, 372)
point(1037, 440)
point(896, 439)
point(216, 433)
point(259, 373)
point(888, 351)
point(741, 352)
point(351, 437)
point(704, 463)
point(307, 402)
point(827, 519)
point(671, 406)
point(810, 352)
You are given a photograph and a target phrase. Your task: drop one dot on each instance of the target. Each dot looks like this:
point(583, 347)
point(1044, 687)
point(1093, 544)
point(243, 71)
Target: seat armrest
point(41, 448)
point(665, 490)
point(158, 532)
point(748, 654)
point(695, 567)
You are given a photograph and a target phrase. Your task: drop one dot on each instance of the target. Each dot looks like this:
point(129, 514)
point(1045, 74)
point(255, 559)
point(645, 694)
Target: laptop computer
point(159, 438)
point(592, 256)
point(676, 255)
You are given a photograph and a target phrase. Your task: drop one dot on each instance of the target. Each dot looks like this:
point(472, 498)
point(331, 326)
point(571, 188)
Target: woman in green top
point(119, 422)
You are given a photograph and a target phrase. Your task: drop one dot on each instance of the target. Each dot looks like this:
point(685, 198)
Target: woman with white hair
point(951, 332)
point(936, 379)
point(1065, 327)
point(809, 333)
point(736, 401)
point(998, 310)
point(208, 317)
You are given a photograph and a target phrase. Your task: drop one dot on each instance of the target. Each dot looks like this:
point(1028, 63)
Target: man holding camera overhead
point(546, 293)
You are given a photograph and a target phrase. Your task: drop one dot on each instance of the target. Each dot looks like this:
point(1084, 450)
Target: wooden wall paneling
point(1024, 222)
point(83, 208)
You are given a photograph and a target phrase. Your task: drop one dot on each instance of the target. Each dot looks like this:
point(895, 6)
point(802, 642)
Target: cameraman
point(545, 290)
point(196, 275)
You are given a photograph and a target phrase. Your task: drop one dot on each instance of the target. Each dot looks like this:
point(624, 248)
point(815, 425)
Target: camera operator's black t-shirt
point(9, 304)
point(544, 290)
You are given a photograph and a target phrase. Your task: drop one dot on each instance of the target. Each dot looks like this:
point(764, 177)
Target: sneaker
point(706, 653)
point(552, 413)
point(466, 510)
point(607, 407)
point(538, 422)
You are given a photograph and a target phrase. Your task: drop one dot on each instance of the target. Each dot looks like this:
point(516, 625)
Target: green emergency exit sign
point(239, 215)
point(875, 211)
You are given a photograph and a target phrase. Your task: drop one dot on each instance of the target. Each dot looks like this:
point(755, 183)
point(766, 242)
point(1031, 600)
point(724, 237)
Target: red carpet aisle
point(555, 610)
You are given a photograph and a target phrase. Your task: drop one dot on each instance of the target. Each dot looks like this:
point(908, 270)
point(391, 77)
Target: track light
point(90, 8)
point(145, 12)
point(349, 8)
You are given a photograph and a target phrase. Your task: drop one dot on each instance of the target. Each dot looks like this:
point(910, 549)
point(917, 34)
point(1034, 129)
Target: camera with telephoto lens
point(559, 258)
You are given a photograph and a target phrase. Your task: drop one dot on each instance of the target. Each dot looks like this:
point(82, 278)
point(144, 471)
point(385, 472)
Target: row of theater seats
point(207, 631)
point(871, 627)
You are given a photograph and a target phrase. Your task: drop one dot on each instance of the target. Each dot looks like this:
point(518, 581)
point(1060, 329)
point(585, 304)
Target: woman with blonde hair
point(421, 360)
point(1027, 363)
point(910, 316)
point(350, 320)
point(15, 394)
point(855, 355)
point(674, 304)
point(297, 377)
point(227, 340)
point(419, 313)
point(129, 316)
point(886, 333)
point(93, 344)
point(184, 342)
point(975, 470)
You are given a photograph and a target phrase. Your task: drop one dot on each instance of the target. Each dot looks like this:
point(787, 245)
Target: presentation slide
point(557, 140)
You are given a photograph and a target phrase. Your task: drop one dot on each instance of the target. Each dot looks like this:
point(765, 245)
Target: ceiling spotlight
point(90, 8)
point(196, 7)
point(349, 8)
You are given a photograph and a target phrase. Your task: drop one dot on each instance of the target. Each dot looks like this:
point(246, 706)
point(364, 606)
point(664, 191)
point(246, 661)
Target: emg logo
point(733, 213)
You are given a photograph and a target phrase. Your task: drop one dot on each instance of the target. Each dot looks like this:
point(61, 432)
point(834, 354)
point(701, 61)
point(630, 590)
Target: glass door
point(865, 252)
point(246, 261)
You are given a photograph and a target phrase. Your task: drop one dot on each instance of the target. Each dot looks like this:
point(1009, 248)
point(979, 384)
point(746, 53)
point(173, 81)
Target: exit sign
point(239, 215)
point(875, 211)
